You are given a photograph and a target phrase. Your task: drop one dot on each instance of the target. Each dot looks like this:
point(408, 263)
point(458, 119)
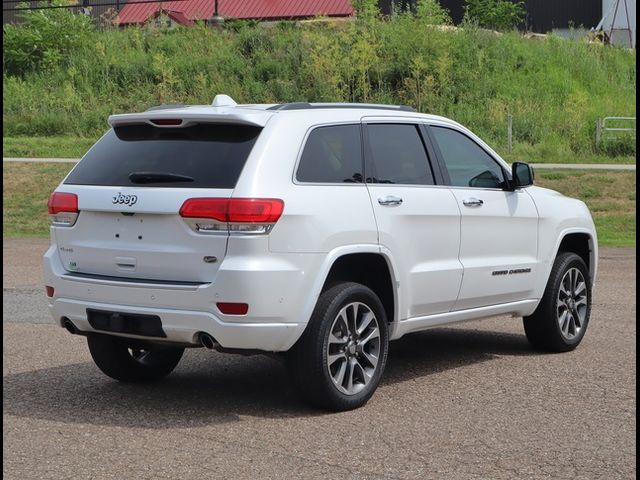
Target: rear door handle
point(473, 202)
point(390, 200)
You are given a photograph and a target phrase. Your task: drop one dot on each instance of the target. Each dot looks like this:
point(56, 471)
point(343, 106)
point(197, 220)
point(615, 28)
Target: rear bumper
point(183, 326)
point(275, 287)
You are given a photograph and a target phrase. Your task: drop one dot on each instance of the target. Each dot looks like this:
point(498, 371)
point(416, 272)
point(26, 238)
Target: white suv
point(320, 230)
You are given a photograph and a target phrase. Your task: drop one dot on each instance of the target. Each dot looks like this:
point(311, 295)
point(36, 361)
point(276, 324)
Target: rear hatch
point(130, 188)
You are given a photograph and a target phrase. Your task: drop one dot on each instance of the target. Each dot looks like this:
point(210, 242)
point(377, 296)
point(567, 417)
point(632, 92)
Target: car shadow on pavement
point(440, 349)
point(209, 388)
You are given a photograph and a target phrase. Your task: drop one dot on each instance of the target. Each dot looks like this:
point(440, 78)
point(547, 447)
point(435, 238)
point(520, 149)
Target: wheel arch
point(584, 244)
point(369, 269)
point(365, 264)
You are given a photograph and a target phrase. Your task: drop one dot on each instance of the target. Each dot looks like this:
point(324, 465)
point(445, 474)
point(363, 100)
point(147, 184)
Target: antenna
point(222, 100)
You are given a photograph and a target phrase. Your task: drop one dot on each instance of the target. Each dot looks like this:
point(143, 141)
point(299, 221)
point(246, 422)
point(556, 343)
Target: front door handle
point(473, 202)
point(390, 200)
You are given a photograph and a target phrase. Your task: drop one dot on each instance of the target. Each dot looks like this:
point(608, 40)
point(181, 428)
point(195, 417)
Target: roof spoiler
point(166, 118)
point(222, 110)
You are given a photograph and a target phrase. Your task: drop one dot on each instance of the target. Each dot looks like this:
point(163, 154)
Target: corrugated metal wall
point(545, 15)
point(542, 15)
point(455, 8)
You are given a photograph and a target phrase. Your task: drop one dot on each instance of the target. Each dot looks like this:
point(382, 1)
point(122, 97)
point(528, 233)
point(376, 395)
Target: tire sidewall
point(570, 261)
point(111, 355)
point(353, 293)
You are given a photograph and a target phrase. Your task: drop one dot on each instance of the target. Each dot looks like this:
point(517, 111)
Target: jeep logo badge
point(121, 199)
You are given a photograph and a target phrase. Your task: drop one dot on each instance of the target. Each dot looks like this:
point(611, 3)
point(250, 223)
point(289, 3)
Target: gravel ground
point(471, 401)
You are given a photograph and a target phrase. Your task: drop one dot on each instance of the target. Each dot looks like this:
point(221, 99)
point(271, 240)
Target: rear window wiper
point(158, 177)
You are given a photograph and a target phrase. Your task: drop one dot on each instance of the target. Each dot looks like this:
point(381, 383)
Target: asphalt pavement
point(472, 401)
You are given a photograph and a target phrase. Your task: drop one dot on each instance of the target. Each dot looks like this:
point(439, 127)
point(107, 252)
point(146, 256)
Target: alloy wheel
point(353, 348)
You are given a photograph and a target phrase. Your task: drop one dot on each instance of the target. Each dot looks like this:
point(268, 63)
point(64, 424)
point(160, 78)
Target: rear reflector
point(233, 308)
point(50, 291)
point(62, 202)
point(241, 215)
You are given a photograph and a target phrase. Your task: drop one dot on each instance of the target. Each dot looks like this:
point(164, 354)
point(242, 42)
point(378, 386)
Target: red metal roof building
point(186, 12)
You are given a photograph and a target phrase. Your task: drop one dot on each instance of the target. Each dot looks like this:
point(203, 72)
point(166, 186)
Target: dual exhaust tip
point(206, 340)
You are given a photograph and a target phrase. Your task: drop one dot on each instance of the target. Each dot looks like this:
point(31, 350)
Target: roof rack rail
point(311, 106)
point(166, 106)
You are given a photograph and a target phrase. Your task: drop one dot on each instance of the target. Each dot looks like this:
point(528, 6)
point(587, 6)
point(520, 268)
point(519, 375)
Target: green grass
point(555, 89)
point(46, 147)
point(25, 190)
point(610, 196)
point(76, 147)
point(532, 155)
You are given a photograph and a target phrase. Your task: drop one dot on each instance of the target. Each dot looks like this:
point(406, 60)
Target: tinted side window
point(212, 155)
point(332, 155)
point(467, 163)
point(397, 155)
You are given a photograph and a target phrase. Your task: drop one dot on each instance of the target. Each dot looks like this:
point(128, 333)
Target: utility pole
point(216, 20)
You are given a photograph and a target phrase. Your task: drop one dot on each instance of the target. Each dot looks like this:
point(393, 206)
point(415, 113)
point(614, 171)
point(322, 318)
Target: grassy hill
point(64, 88)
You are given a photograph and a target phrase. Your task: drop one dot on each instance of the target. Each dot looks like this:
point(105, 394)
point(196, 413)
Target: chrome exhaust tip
point(207, 341)
point(70, 327)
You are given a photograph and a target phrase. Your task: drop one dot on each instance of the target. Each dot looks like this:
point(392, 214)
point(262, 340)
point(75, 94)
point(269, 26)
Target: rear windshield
point(199, 156)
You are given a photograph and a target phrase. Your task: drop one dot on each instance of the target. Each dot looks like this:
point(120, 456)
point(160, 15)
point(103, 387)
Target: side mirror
point(522, 174)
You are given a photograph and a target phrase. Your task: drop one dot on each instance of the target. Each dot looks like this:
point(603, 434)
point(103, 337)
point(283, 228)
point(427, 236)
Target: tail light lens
point(50, 291)
point(241, 215)
point(63, 209)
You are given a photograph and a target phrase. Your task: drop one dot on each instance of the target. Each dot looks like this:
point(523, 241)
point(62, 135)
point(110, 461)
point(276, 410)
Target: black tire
point(307, 360)
point(119, 360)
point(543, 327)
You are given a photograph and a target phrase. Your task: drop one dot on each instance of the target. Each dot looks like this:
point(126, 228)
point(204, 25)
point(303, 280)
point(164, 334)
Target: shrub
point(494, 14)
point(45, 39)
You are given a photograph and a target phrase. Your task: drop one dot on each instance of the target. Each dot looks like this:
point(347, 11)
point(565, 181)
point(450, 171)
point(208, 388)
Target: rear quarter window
point(332, 154)
point(212, 155)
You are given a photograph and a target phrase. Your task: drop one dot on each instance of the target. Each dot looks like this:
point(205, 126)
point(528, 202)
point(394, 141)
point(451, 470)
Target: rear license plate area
point(130, 323)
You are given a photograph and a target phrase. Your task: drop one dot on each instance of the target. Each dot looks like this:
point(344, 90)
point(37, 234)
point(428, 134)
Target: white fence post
point(598, 132)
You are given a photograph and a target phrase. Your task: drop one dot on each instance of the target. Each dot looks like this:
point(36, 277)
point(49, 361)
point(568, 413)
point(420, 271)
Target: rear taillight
point(240, 215)
point(63, 209)
point(50, 291)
